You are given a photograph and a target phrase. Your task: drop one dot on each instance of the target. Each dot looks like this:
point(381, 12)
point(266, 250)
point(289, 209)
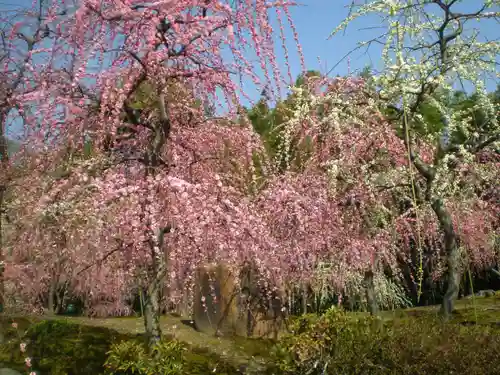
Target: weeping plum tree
point(22, 34)
point(166, 198)
point(326, 206)
point(49, 211)
point(428, 47)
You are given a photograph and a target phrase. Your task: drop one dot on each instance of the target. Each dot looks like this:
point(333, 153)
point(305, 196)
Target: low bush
point(336, 343)
point(167, 358)
point(131, 357)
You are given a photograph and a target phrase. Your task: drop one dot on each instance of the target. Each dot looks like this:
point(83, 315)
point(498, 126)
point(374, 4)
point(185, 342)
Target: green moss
point(78, 345)
point(64, 347)
point(58, 348)
point(254, 347)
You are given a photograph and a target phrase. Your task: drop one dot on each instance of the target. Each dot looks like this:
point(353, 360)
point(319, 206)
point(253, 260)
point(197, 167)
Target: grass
point(240, 351)
point(235, 349)
point(486, 309)
point(56, 347)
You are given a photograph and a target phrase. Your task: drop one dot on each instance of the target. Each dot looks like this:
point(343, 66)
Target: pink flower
point(32, 373)
point(22, 346)
point(14, 325)
point(27, 360)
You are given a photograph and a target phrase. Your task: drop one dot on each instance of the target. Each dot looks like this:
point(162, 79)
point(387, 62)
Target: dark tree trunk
point(304, 298)
point(453, 258)
point(152, 309)
point(51, 299)
point(152, 315)
point(371, 298)
point(61, 298)
point(152, 162)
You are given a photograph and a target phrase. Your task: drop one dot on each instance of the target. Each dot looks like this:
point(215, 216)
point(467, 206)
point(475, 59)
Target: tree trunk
point(61, 298)
point(184, 308)
point(152, 315)
point(152, 161)
point(304, 298)
point(453, 258)
point(51, 300)
point(152, 311)
point(371, 298)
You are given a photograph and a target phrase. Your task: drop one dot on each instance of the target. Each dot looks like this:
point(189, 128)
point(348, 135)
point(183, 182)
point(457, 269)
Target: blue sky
point(316, 19)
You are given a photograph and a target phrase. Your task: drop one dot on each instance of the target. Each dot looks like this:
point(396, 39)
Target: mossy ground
point(480, 310)
point(100, 333)
point(238, 351)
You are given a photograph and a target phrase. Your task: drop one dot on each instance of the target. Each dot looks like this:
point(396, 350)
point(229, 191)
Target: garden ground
point(244, 352)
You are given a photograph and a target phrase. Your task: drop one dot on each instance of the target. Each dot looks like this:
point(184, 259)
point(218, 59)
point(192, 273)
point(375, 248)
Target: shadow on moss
point(63, 348)
point(60, 348)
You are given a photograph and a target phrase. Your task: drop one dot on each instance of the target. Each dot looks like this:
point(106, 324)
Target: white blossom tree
point(429, 46)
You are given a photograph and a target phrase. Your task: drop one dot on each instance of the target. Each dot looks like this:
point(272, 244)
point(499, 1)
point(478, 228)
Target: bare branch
point(99, 261)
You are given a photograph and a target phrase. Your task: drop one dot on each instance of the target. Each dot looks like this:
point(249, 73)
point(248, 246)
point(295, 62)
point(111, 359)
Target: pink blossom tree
point(21, 36)
point(348, 199)
point(167, 197)
point(327, 208)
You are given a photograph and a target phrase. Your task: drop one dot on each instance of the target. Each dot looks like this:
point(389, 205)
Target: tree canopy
point(369, 185)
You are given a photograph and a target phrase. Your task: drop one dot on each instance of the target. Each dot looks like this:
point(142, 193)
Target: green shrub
point(167, 358)
point(336, 343)
point(131, 357)
point(9, 347)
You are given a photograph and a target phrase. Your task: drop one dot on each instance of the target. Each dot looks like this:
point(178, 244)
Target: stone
point(482, 293)
point(224, 307)
point(215, 304)
point(486, 293)
point(260, 313)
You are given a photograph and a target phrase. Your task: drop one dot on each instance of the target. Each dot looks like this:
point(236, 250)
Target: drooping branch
point(427, 171)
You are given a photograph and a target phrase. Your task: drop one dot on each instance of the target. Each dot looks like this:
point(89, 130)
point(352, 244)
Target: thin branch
point(390, 187)
point(495, 271)
point(365, 44)
point(100, 261)
point(138, 59)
